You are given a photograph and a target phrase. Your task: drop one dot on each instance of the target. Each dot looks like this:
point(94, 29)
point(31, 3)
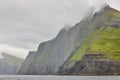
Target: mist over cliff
point(29, 23)
point(52, 54)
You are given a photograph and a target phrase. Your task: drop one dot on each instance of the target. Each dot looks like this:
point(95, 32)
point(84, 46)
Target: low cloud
point(13, 50)
point(24, 24)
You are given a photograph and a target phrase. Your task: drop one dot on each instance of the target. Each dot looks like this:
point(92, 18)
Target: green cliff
point(91, 47)
point(100, 52)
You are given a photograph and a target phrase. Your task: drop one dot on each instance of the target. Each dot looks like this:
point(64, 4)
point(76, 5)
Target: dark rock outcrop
point(93, 66)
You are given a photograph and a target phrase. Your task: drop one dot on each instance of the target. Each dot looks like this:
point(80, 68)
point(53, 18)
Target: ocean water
point(17, 77)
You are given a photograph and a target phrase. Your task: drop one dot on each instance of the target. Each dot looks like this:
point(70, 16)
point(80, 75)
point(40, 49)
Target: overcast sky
point(24, 24)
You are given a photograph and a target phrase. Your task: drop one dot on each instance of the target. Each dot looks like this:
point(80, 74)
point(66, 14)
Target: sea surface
point(17, 77)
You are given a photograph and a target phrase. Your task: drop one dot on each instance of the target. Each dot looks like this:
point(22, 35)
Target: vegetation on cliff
point(105, 38)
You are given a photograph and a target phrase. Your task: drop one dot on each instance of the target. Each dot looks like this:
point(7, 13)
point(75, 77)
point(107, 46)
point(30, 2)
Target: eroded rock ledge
point(93, 66)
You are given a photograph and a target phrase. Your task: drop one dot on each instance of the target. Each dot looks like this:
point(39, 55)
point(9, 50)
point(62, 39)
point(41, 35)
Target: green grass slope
point(108, 43)
point(104, 40)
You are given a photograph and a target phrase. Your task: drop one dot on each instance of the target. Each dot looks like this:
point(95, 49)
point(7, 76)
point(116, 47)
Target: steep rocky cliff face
point(9, 64)
point(60, 50)
point(25, 65)
point(100, 52)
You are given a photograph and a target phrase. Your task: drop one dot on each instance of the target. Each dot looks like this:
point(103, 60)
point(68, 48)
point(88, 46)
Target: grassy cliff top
point(105, 39)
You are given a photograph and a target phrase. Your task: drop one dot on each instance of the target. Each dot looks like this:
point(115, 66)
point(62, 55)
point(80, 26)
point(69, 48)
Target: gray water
point(12, 77)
